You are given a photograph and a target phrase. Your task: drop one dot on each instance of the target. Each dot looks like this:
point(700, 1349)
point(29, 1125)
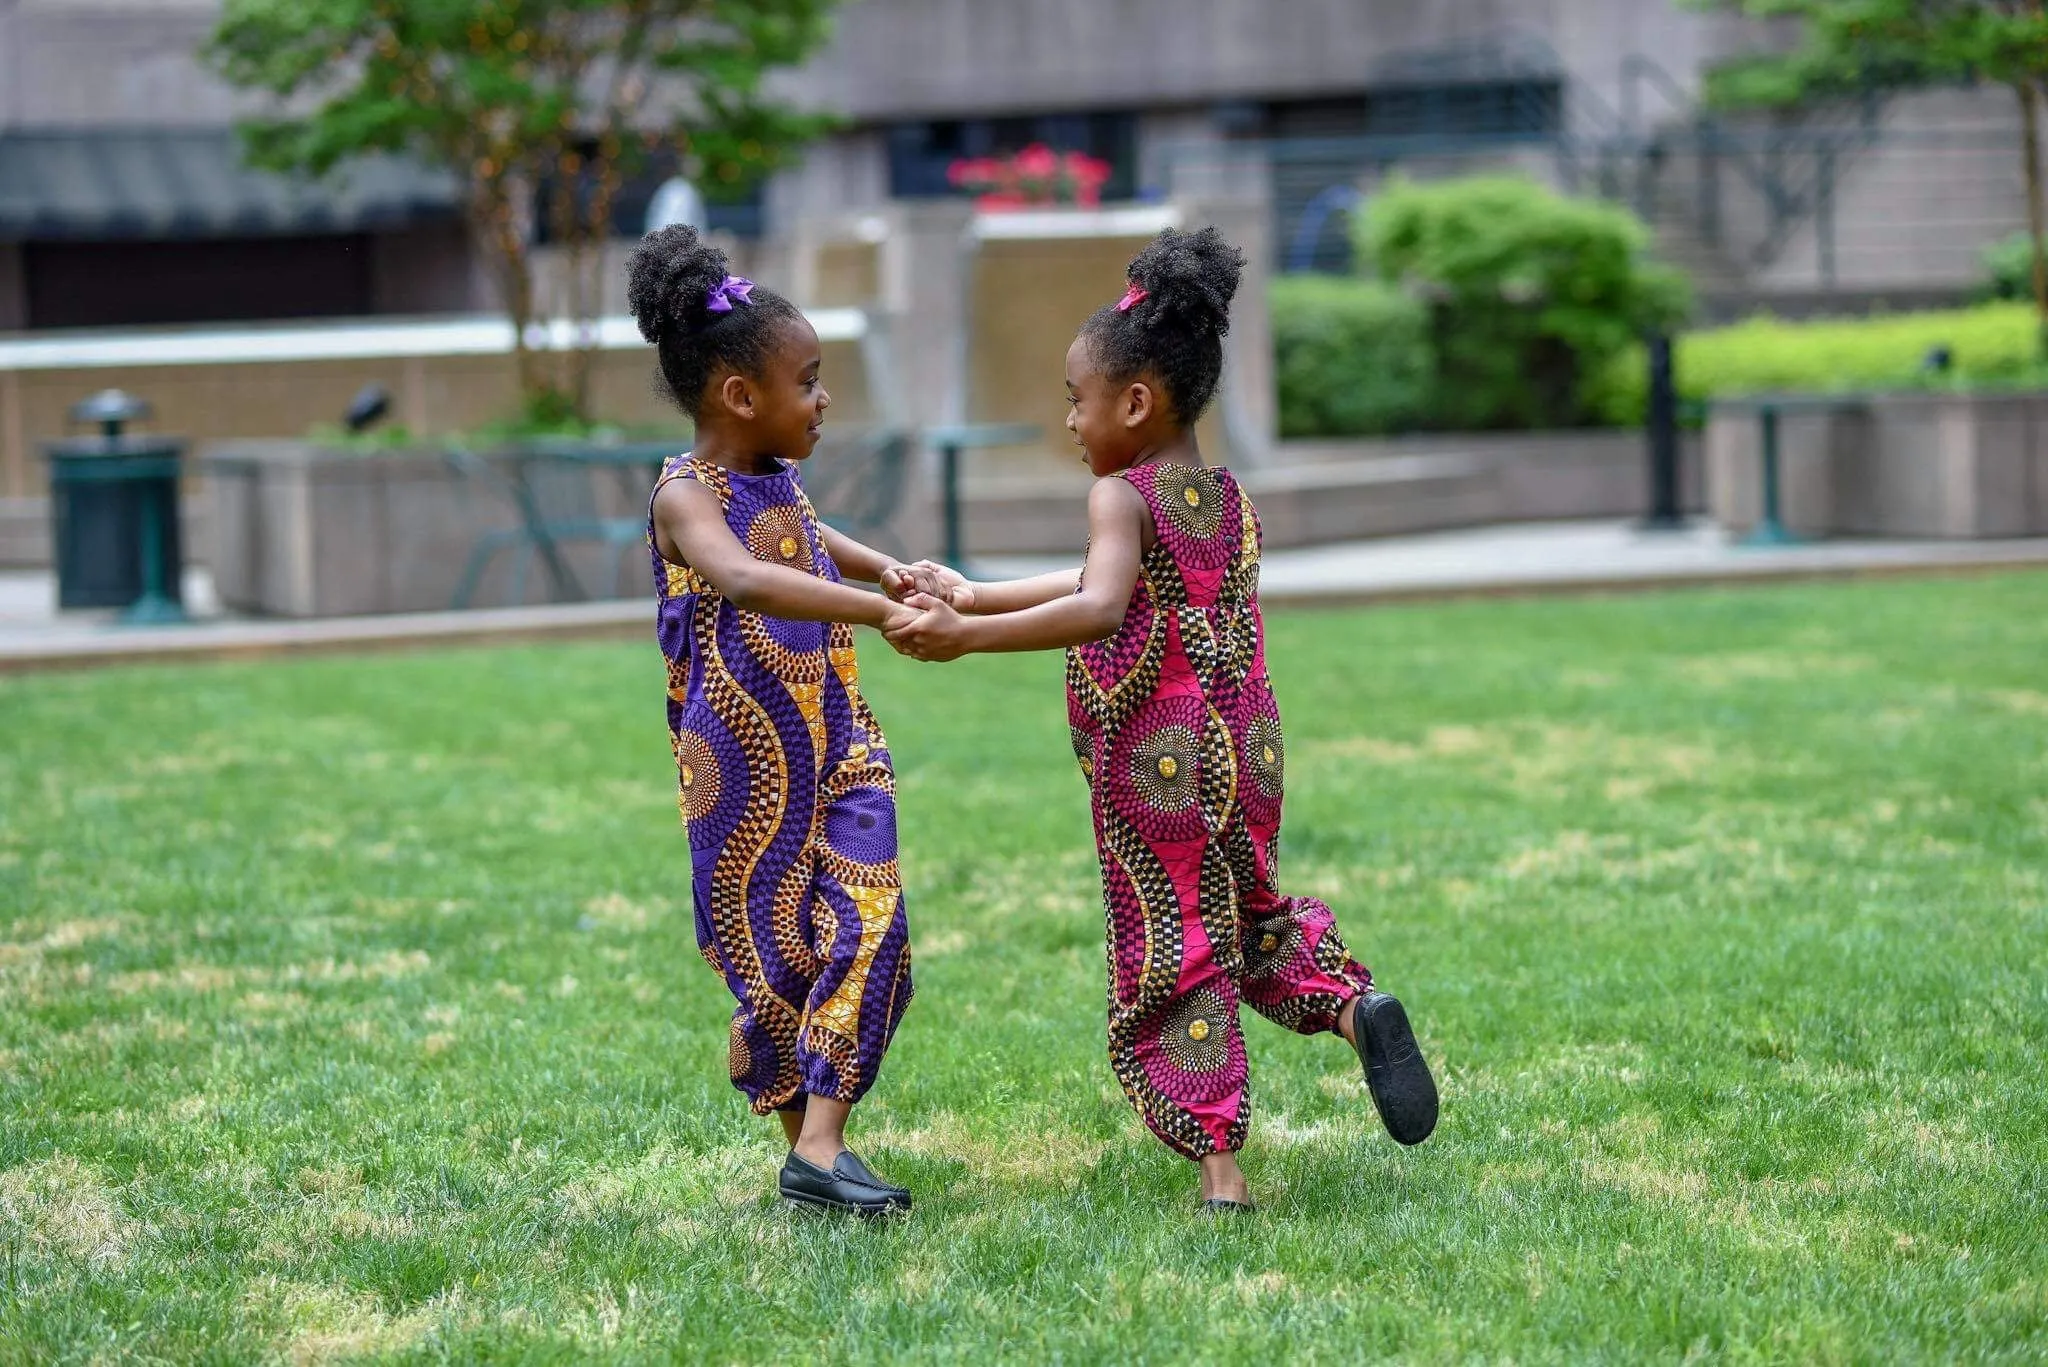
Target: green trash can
point(114, 514)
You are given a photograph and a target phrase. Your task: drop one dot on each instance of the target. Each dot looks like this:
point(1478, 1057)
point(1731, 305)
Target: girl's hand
point(937, 633)
point(899, 581)
point(898, 617)
point(949, 584)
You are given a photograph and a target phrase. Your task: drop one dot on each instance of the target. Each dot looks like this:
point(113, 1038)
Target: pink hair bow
point(1131, 296)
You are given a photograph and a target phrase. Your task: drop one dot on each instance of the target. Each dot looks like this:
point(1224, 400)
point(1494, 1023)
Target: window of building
point(125, 284)
point(1464, 109)
point(921, 154)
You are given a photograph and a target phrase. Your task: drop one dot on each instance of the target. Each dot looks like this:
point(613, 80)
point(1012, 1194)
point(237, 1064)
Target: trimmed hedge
point(1531, 293)
point(1351, 357)
point(2009, 269)
point(1991, 346)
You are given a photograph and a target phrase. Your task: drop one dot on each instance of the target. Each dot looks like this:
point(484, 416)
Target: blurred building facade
point(122, 199)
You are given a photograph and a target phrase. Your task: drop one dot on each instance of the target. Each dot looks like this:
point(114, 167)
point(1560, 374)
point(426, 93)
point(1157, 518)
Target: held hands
point(934, 630)
point(924, 619)
point(931, 579)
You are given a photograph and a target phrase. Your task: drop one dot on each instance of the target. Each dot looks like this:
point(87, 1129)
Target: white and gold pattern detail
point(810, 701)
point(840, 1013)
point(683, 580)
point(844, 665)
point(1266, 755)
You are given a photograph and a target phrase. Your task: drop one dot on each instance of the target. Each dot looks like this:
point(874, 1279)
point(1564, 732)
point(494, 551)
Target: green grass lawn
point(349, 1007)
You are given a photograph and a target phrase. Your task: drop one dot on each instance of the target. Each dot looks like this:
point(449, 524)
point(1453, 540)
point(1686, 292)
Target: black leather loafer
point(860, 1171)
point(849, 1186)
point(1395, 1071)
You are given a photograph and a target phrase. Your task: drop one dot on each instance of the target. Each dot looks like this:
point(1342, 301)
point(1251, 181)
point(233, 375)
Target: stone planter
point(1950, 465)
point(1315, 493)
point(304, 530)
point(1908, 465)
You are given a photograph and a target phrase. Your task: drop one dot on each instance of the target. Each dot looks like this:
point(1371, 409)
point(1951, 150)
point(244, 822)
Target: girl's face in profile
point(1106, 419)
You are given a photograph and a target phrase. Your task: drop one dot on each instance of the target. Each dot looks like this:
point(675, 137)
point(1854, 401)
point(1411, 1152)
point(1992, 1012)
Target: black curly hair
point(668, 290)
point(1175, 333)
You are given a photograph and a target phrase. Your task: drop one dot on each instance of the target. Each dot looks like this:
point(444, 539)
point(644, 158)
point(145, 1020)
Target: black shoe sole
point(1395, 1071)
point(1223, 1209)
point(865, 1210)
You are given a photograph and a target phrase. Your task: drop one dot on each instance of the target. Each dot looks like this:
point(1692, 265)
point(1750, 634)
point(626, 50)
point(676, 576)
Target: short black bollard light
point(1660, 429)
point(114, 514)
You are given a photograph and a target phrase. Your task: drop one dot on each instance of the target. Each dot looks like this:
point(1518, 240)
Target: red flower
point(1037, 162)
point(1036, 175)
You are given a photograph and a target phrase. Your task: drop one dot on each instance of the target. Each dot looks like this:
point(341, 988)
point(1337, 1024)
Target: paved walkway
point(1519, 559)
point(1546, 557)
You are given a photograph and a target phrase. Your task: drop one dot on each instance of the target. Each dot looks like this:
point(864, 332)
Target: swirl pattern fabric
point(1176, 729)
point(788, 797)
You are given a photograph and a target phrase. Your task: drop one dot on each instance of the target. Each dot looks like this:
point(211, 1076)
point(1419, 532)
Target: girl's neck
point(1179, 449)
point(721, 451)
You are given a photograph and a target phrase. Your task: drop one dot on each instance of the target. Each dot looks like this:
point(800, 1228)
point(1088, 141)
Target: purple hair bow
point(733, 289)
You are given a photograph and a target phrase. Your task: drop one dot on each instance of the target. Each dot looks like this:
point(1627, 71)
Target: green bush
point(2009, 269)
point(1991, 346)
point(1352, 357)
point(1531, 294)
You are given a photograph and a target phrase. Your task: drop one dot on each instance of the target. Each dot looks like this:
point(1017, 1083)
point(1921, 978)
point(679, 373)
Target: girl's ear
point(1139, 402)
point(737, 396)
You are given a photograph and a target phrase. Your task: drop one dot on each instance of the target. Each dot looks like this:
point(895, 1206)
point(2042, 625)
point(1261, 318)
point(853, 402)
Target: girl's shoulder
point(696, 470)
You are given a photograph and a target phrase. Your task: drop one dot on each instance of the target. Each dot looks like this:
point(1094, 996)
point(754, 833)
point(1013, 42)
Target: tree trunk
point(497, 233)
point(2030, 126)
point(592, 233)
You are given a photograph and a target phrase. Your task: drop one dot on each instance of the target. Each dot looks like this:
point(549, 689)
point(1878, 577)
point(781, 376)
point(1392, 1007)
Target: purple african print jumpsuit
point(1176, 729)
point(789, 800)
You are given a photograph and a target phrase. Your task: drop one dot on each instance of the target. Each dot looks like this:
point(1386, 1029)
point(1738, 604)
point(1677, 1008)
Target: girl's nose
point(1073, 419)
point(824, 399)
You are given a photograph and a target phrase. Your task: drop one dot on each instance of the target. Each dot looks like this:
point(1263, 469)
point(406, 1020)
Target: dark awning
point(131, 183)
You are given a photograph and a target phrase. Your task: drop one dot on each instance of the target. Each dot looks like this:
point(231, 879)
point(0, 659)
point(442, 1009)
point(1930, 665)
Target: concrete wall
point(134, 61)
point(924, 58)
point(1932, 465)
point(209, 403)
point(1919, 207)
point(121, 62)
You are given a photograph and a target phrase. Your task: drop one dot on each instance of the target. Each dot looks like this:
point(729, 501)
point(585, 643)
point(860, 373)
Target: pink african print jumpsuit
point(787, 791)
point(1177, 731)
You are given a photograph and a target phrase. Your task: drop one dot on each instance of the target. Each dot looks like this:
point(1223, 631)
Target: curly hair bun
point(1189, 279)
point(669, 282)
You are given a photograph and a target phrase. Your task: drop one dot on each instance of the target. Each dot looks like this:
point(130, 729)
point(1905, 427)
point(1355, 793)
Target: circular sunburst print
point(1196, 1033)
point(1166, 767)
point(1192, 500)
point(778, 536)
point(697, 772)
point(1266, 754)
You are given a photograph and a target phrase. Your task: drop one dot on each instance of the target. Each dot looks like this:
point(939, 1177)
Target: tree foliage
point(1531, 293)
point(1855, 46)
point(540, 108)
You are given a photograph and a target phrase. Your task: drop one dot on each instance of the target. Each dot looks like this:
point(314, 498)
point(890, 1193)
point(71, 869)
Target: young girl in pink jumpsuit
point(1178, 734)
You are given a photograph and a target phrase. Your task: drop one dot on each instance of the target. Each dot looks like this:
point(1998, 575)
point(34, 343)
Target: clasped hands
point(927, 600)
